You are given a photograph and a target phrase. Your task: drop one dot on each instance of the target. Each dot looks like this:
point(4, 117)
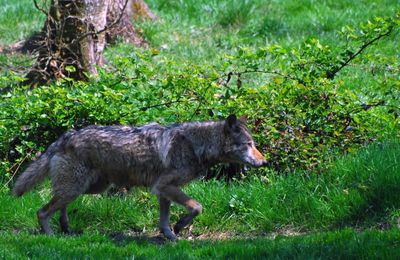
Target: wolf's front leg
point(195, 209)
point(176, 195)
point(164, 218)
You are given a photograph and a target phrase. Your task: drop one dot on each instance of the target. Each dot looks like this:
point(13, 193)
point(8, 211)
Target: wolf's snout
point(258, 159)
point(264, 163)
point(261, 163)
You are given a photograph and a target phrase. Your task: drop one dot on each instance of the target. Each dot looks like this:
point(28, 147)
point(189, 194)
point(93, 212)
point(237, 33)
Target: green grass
point(18, 19)
point(350, 210)
point(359, 191)
point(344, 244)
point(200, 29)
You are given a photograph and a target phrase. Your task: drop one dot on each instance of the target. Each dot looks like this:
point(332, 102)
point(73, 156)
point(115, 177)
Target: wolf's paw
point(167, 232)
point(179, 226)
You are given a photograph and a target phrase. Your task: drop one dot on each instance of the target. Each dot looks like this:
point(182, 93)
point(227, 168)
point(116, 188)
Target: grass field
point(352, 210)
point(344, 244)
point(349, 210)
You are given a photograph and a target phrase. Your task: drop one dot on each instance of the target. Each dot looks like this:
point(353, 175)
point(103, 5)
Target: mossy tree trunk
point(75, 35)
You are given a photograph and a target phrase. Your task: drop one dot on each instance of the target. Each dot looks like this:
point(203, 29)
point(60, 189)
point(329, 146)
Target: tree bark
point(75, 35)
point(124, 29)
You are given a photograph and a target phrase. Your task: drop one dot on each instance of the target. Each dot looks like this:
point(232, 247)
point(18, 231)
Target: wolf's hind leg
point(164, 218)
point(175, 194)
point(64, 220)
point(45, 213)
point(68, 182)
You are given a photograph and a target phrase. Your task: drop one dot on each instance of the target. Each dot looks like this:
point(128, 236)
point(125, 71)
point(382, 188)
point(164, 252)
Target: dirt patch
point(187, 234)
point(123, 238)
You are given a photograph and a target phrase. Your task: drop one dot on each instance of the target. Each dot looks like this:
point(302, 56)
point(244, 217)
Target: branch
point(332, 73)
point(106, 28)
point(17, 165)
point(39, 8)
point(116, 21)
point(164, 104)
point(229, 75)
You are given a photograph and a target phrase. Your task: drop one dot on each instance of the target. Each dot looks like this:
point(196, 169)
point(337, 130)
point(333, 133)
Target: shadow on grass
point(373, 177)
point(121, 239)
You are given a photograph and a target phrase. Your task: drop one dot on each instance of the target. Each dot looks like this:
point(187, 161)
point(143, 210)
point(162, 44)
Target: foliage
point(303, 109)
point(313, 83)
point(299, 111)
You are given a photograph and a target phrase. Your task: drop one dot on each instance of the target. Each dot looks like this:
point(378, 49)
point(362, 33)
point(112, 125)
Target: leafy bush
point(298, 107)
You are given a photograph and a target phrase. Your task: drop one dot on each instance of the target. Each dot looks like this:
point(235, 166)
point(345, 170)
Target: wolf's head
point(239, 145)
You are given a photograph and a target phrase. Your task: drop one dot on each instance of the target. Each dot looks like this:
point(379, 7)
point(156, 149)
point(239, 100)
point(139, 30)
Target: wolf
point(163, 158)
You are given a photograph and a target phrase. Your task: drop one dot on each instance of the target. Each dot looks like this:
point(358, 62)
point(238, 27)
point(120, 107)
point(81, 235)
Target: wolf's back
point(39, 169)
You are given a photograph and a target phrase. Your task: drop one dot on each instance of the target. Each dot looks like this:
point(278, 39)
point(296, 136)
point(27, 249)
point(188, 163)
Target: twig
point(18, 166)
point(164, 104)
point(106, 28)
point(39, 8)
point(270, 72)
point(332, 73)
point(229, 75)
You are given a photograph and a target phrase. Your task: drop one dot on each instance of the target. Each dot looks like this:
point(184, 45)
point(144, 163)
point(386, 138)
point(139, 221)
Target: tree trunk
point(124, 29)
point(75, 35)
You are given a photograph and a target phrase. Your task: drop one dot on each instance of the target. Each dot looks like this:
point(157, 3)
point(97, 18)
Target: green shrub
point(300, 112)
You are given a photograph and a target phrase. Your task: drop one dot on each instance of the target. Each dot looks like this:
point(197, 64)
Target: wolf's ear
point(231, 121)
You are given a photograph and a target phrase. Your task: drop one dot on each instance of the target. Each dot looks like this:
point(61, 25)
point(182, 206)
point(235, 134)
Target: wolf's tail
point(38, 170)
point(34, 174)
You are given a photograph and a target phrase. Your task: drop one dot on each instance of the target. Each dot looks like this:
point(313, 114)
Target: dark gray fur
point(160, 157)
